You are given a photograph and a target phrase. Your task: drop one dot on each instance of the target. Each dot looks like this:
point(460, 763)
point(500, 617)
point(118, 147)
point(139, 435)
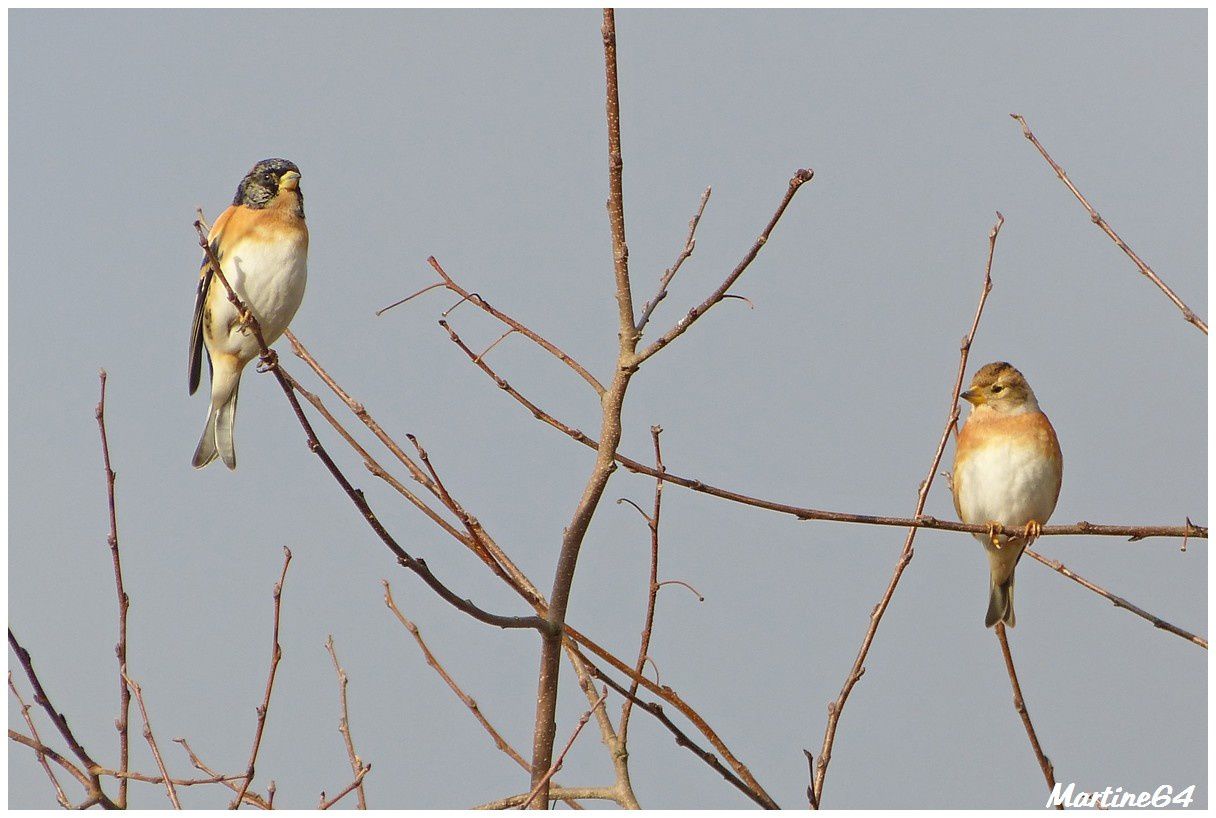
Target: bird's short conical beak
point(973, 396)
point(290, 180)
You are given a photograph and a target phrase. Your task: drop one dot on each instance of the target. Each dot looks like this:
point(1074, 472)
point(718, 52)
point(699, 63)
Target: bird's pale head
point(1001, 388)
point(262, 185)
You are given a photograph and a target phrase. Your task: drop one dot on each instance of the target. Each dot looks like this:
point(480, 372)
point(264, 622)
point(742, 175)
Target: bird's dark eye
point(997, 388)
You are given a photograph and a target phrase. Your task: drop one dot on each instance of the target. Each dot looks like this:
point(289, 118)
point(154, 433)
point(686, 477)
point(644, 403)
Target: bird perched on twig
point(261, 242)
point(1007, 473)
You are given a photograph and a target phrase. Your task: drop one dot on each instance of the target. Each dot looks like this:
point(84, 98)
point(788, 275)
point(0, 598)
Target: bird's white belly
point(270, 278)
point(1007, 484)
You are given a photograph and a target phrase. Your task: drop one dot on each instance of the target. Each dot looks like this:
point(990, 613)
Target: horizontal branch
point(803, 513)
point(556, 793)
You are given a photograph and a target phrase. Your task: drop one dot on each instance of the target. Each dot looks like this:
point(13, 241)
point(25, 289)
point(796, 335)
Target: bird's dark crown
point(261, 185)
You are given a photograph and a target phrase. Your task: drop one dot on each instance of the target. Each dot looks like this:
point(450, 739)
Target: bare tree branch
point(561, 758)
point(1118, 601)
point(690, 244)
point(537, 339)
point(1019, 704)
point(357, 784)
point(652, 590)
point(837, 707)
point(276, 653)
point(270, 363)
point(683, 740)
point(612, 402)
point(227, 780)
point(1147, 271)
point(36, 739)
point(91, 767)
point(799, 179)
point(1133, 532)
point(567, 794)
point(465, 699)
point(356, 764)
point(124, 602)
point(160, 762)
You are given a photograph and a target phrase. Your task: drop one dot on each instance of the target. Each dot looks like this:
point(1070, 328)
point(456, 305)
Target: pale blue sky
point(478, 137)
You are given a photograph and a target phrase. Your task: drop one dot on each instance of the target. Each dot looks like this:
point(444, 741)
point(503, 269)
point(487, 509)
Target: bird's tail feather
point(1000, 603)
point(217, 438)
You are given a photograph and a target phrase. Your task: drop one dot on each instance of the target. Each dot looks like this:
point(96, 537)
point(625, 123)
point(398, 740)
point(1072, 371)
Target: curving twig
point(1187, 312)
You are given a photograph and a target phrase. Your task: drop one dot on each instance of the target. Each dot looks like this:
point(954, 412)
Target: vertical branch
point(905, 556)
point(616, 196)
point(124, 695)
point(356, 764)
point(611, 403)
point(1145, 270)
point(557, 765)
point(276, 654)
point(653, 591)
point(1019, 704)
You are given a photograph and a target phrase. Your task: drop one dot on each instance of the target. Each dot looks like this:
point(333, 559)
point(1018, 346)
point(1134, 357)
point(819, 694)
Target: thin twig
point(465, 699)
point(43, 751)
point(357, 784)
point(1147, 271)
point(837, 707)
point(690, 244)
point(1118, 601)
point(91, 767)
point(1019, 704)
point(60, 795)
point(276, 653)
point(124, 602)
point(537, 339)
point(227, 780)
point(567, 794)
point(800, 178)
point(684, 740)
point(1133, 532)
point(652, 589)
point(427, 288)
point(561, 758)
point(356, 763)
point(160, 762)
